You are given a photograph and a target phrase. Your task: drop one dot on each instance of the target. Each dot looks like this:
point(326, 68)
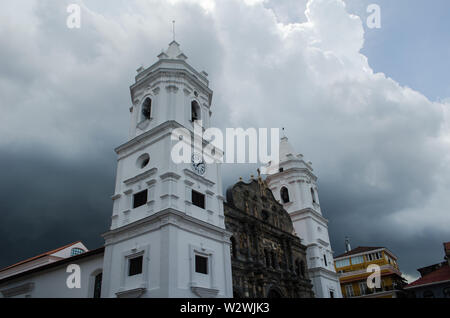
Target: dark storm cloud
point(47, 202)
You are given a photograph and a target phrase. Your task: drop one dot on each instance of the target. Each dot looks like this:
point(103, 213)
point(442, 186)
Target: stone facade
point(267, 259)
point(294, 184)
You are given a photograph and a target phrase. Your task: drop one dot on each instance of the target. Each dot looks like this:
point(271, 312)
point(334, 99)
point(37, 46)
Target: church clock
point(198, 165)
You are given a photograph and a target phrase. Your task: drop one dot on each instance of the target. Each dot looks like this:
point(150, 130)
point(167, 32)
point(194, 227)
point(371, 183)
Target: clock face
point(198, 165)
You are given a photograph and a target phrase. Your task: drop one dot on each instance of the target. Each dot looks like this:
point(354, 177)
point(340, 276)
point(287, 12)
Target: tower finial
point(284, 134)
point(173, 29)
point(347, 244)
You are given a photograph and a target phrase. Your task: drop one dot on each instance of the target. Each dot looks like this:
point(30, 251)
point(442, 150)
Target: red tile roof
point(39, 256)
point(440, 275)
point(359, 249)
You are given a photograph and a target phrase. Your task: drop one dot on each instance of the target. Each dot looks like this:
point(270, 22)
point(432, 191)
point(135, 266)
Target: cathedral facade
point(172, 234)
point(267, 259)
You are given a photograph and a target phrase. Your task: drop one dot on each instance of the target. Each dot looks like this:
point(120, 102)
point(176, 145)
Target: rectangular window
point(135, 266)
point(357, 260)
point(140, 199)
point(349, 290)
point(198, 199)
point(325, 260)
point(343, 263)
point(363, 288)
point(201, 264)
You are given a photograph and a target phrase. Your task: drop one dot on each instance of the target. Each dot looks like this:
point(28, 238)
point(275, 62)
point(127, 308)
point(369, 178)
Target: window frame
point(199, 266)
point(284, 191)
point(363, 288)
point(348, 288)
point(136, 280)
point(195, 104)
point(129, 267)
point(199, 195)
point(198, 279)
point(142, 203)
point(144, 117)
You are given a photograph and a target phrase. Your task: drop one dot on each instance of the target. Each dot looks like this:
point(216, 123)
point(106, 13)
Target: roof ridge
point(360, 249)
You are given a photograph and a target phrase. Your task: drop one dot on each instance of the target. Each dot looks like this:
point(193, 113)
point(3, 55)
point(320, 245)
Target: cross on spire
point(173, 29)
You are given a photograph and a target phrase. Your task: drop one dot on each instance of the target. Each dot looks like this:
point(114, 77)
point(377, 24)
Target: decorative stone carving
point(263, 233)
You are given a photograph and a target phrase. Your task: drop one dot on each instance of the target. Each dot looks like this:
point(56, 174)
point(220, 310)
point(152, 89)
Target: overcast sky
point(369, 107)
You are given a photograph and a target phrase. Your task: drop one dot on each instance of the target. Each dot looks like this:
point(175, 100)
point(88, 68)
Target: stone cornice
point(164, 218)
point(308, 212)
point(141, 176)
point(155, 66)
point(290, 170)
point(198, 178)
point(170, 175)
point(326, 272)
point(162, 74)
point(137, 141)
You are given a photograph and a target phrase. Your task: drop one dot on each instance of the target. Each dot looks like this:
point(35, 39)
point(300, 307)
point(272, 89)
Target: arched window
point(147, 109)
point(284, 193)
point(76, 251)
point(233, 247)
point(195, 111)
point(98, 285)
point(313, 195)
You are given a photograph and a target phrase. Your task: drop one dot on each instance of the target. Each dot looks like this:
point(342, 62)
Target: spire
point(173, 52)
point(286, 150)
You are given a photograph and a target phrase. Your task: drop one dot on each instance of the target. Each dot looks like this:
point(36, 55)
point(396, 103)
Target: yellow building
point(352, 269)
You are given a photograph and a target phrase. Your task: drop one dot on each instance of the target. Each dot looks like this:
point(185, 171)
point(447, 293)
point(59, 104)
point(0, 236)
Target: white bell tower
point(167, 235)
point(293, 183)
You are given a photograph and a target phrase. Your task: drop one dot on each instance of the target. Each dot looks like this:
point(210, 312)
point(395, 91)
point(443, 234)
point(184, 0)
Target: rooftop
point(441, 274)
point(359, 249)
point(39, 256)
